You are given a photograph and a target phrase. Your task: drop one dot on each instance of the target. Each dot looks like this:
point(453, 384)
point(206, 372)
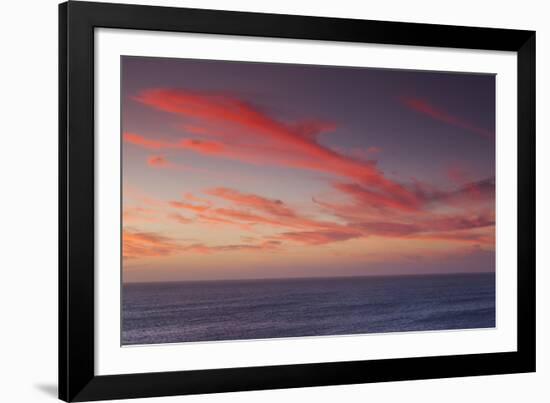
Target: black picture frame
point(77, 378)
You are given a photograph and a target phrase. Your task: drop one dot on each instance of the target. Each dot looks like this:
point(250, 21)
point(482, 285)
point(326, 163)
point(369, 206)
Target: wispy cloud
point(426, 108)
point(158, 161)
point(137, 244)
point(320, 237)
point(249, 134)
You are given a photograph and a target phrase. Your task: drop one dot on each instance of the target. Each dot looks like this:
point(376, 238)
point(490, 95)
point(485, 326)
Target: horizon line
point(307, 278)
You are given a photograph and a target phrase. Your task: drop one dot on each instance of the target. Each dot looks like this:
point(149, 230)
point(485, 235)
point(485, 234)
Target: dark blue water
point(257, 309)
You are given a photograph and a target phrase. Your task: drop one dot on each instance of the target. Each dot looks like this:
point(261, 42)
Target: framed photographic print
point(254, 201)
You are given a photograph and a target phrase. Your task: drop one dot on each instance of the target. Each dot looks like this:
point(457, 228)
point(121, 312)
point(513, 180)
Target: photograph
point(269, 200)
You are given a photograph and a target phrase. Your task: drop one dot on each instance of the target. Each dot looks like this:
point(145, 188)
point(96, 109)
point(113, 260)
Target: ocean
point(258, 309)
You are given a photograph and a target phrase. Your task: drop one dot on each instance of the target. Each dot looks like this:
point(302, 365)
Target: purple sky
point(245, 170)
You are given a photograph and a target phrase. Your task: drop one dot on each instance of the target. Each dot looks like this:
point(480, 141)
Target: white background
point(28, 169)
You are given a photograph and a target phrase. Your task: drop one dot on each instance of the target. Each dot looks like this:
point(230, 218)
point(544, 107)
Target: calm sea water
point(257, 309)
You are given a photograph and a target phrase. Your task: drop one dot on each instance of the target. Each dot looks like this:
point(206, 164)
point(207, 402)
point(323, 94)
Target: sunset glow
point(249, 170)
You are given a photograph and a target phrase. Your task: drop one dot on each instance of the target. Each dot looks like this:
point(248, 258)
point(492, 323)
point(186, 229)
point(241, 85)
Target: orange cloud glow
point(138, 244)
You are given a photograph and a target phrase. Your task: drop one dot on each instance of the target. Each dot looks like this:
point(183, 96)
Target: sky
point(234, 170)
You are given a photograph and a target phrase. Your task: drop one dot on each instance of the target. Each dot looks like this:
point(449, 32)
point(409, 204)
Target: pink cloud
point(188, 206)
point(139, 244)
point(469, 195)
point(141, 141)
point(374, 150)
point(320, 237)
point(158, 161)
point(203, 147)
point(247, 133)
point(376, 199)
point(270, 206)
point(424, 107)
point(262, 246)
point(253, 209)
point(180, 219)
